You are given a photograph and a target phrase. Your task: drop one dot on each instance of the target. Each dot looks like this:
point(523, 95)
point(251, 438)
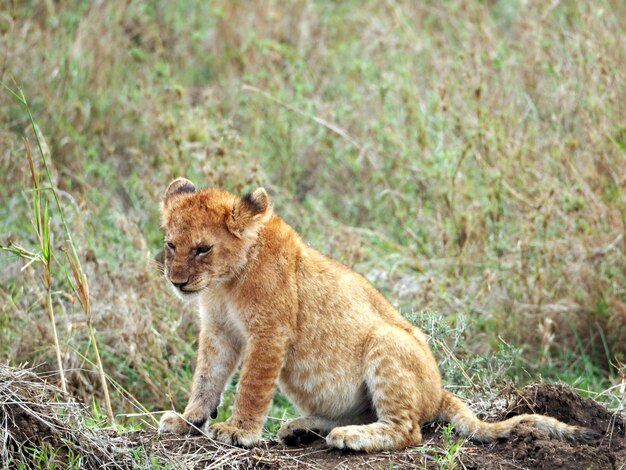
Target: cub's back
point(336, 293)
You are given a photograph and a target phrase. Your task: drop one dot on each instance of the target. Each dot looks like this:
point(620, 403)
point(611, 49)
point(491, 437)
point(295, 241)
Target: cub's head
point(208, 234)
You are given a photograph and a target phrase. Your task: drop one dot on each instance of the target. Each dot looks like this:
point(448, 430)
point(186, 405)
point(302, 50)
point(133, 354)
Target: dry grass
point(467, 157)
point(41, 426)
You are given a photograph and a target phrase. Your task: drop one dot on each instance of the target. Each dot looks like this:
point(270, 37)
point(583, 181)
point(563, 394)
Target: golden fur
point(361, 374)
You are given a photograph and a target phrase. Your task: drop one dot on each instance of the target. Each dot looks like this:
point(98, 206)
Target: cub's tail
point(465, 422)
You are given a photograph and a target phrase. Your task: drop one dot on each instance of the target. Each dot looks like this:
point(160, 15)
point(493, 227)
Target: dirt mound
point(531, 448)
point(565, 404)
point(36, 415)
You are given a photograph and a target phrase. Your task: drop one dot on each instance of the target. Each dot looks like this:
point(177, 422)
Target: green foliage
point(446, 456)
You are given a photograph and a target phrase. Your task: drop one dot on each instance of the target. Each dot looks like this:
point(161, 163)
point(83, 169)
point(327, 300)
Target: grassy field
point(467, 157)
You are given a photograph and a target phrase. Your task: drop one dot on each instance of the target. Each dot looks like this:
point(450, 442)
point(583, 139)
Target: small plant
point(44, 254)
point(451, 445)
point(447, 456)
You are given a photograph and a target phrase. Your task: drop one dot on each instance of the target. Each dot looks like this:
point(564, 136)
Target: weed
point(448, 459)
point(41, 223)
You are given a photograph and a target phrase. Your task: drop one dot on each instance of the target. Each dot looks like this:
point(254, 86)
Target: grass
point(45, 255)
point(466, 157)
point(446, 456)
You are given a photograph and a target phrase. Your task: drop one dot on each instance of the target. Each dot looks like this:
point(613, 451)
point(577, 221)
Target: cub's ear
point(257, 201)
point(246, 211)
point(178, 186)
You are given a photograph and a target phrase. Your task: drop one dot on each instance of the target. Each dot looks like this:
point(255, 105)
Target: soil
point(527, 448)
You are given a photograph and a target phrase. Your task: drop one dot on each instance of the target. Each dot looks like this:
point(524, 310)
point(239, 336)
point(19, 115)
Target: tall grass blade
point(43, 229)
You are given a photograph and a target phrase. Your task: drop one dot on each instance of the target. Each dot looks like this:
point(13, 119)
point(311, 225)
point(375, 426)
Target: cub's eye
point(203, 249)
point(171, 246)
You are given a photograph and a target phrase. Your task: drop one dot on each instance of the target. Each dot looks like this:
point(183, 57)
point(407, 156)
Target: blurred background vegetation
point(467, 157)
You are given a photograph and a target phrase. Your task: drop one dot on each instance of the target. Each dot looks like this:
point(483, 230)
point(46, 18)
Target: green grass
point(45, 457)
point(466, 158)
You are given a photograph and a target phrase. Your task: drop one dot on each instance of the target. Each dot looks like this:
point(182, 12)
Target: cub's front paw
point(188, 423)
point(229, 434)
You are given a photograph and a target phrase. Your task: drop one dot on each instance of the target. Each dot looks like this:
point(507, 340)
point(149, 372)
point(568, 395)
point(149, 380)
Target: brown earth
point(527, 448)
point(32, 415)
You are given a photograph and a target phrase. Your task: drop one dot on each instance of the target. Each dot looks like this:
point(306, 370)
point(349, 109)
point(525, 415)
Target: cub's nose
point(180, 285)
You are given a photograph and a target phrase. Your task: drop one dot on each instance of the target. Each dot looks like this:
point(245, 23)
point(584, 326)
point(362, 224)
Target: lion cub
point(361, 374)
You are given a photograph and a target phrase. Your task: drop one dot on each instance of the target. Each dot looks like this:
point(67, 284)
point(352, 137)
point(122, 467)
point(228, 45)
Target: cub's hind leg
point(405, 387)
point(305, 429)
